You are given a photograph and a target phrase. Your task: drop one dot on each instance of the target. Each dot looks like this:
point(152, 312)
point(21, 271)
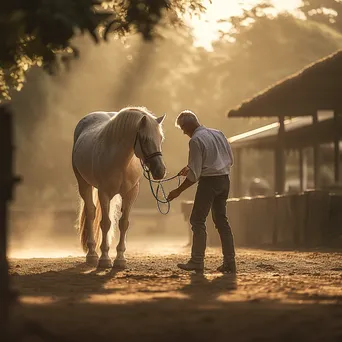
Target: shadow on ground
point(162, 305)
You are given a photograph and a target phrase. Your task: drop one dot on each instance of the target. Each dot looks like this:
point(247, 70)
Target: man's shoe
point(228, 267)
point(192, 266)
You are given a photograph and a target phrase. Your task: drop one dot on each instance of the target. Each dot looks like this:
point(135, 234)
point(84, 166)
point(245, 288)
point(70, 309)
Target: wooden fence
point(309, 219)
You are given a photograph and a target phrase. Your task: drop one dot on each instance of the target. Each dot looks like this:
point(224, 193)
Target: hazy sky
point(205, 28)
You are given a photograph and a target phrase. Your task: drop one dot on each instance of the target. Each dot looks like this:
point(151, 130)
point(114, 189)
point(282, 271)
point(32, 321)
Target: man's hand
point(173, 194)
point(184, 171)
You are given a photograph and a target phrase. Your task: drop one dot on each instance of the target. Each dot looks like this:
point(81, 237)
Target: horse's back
point(92, 123)
point(85, 139)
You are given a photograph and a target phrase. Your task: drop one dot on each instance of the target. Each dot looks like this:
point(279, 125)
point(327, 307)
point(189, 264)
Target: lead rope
point(160, 187)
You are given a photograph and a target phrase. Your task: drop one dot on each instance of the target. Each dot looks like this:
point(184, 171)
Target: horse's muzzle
point(158, 172)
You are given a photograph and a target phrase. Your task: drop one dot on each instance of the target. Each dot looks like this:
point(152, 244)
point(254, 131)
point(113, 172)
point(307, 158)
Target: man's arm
point(193, 171)
point(176, 192)
point(195, 161)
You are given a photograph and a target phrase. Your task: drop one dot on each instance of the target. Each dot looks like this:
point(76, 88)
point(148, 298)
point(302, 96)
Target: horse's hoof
point(92, 260)
point(119, 264)
point(104, 263)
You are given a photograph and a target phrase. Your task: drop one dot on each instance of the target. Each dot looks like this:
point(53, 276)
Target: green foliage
point(40, 32)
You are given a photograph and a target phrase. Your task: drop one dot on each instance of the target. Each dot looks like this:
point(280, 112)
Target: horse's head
point(148, 145)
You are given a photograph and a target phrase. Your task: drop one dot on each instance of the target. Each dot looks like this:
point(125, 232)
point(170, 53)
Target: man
point(210, 160)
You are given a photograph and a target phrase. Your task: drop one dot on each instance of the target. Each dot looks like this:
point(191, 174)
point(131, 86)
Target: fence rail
point(308, 219)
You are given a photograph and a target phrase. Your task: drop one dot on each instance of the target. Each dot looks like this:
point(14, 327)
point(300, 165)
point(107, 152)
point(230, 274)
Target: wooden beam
point(280, 159)
point(336, 149)
point(301, 169)
point(316, 154)
point(237, 173)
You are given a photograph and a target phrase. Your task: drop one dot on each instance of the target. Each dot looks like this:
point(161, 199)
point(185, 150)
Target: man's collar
point(197, 129)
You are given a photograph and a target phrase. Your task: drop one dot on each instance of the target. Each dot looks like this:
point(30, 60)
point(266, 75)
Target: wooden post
point(301, 169)
point(237, 176)
point(316, 155)
point(336, 149)
point(280, 159)
point(5, 171)
point(6, 184)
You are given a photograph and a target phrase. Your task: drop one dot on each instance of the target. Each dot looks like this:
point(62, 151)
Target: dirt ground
point(276, 296)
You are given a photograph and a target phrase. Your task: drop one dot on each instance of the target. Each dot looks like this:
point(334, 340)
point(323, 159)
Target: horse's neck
point(120, 134)
point(122, 129)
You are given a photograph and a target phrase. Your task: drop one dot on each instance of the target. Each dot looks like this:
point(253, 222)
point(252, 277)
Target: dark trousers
point(212, 193)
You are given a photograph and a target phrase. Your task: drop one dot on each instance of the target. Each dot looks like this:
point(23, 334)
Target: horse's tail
point(114, 212)
point(97, 219)
point(80, 226)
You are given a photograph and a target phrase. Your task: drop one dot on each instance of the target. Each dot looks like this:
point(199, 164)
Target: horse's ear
point(161, 118)
point(143, 122)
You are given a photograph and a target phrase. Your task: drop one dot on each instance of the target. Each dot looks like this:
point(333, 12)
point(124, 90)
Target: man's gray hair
point(186, 116)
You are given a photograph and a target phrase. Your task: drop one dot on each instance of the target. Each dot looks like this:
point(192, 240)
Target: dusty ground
point(276, 296)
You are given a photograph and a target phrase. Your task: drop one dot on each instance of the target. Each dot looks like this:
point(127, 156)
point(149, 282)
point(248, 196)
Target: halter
point(145, 157)
point(147, 175)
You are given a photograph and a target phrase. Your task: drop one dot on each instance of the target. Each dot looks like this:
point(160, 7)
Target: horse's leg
point(86, 193)
point(104, 261)
point(127, 202)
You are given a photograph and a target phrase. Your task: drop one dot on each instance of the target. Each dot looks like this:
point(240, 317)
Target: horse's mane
point(125, 123)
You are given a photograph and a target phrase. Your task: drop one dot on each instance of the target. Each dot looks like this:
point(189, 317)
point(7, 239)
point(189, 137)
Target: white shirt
point(209, 154)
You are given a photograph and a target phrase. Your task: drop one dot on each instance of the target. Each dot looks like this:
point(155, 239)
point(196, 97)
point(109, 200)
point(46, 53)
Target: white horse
point(106, 152)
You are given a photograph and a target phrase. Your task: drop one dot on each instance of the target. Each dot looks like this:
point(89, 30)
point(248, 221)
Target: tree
point(268, 49)
point(40, 32)
point(259, 54)
point(328, 12)
point(106, 77)
point(166, 75)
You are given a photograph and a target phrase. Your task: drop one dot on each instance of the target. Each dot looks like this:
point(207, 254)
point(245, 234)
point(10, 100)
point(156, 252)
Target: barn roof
point(316, 87)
